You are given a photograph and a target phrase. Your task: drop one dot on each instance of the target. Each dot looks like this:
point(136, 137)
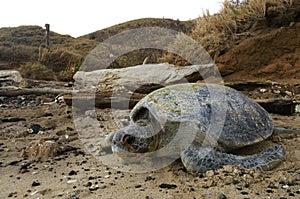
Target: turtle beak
point(109, 138)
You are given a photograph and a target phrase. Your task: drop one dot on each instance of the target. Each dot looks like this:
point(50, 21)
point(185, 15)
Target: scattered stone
point(149, 178)
point(269, 191)
point(137, 186)
point(228, 168)
point(35, 184)
point(44, 149)
point(244, 193)
point(191, 189)
point(23, 171)
point(11, 78)
point(88, 184)
point(222, 196)
point(71, 181)
point(33, 193)
point(14, 163)
point(276, 91)
point(228, 180)
point(209, 173)
point(35, 128)
point(71, 173)
point(167, 186)
point(94, 187)
point(289, 93)
point(285, 186)
point(12, 194)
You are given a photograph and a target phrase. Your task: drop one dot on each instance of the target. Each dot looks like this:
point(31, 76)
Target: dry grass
point(217, 33)
point(26, 44)
point(234, 23)
point(36, 70)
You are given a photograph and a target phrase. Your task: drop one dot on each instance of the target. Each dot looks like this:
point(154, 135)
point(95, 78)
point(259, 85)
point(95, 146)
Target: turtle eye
point(128, 139)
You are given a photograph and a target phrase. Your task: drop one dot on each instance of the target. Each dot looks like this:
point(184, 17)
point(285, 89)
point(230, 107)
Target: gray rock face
point(11, 78)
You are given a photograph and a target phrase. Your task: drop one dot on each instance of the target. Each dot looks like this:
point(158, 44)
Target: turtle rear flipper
point(278, 131)
point(199, 160)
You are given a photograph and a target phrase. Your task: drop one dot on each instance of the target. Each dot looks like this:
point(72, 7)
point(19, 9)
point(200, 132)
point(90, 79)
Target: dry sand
point(28, 127)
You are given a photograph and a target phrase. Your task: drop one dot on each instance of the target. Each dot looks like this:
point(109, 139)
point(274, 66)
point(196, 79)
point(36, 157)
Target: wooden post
point(47, 36)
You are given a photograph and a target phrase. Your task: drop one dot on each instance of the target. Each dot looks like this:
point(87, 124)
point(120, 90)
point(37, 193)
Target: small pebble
point(209, 173)
point(227, 180)
point(222, 196)
point(291, 194)
point(263, 90)
point(94, 187)
point(228, 168)
point(11, 194)
point(137, 186)
point(88, 184)
point(71, 173)
point(285, 186)
point(33, 193)
point(71, 181)
point(149, 178)
point(167, 186)
point(35, 184)
point(289, 93)
point(244, 193)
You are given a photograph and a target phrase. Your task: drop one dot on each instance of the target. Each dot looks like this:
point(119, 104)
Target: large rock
point(11, 78)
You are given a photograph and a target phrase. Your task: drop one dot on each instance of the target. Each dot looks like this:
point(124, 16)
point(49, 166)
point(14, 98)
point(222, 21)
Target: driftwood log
point(280, 106)
point(123, 88)
point(12, 92)
point(283, 106)
point(141, 78)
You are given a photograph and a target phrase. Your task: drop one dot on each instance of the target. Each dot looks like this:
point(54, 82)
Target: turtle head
point(135, 138)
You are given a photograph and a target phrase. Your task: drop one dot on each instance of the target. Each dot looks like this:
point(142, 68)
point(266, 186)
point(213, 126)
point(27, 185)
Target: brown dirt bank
point(273, 56)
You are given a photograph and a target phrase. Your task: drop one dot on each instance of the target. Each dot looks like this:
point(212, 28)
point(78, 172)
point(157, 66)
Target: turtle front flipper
point(200, 160)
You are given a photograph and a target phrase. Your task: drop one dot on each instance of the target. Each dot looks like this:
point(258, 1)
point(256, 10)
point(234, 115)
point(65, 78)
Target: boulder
point(11, 78)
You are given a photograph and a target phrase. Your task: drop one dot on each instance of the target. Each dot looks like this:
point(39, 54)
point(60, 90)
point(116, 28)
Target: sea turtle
point(206, 122)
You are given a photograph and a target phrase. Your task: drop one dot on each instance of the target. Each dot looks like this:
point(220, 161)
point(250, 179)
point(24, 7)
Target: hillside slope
point(180, 26)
